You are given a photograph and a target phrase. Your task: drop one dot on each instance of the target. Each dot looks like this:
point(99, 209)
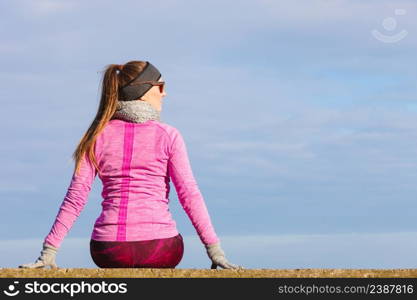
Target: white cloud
point(7, 187)
point(321, 12)
point(47, 7)
point(12, 48)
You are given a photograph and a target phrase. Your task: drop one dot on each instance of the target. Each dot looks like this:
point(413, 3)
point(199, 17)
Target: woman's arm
point(189, 195)
point(73, 203)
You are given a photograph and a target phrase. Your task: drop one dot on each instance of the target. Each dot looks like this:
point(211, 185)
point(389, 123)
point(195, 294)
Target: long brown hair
point(111, 83)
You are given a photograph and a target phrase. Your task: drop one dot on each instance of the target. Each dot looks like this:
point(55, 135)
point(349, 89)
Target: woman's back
point(133, 159)
point(136, 161)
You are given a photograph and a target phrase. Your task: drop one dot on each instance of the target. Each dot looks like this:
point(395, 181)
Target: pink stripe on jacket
point(136, 161)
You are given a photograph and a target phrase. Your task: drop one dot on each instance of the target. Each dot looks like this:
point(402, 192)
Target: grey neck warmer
point(137, 111)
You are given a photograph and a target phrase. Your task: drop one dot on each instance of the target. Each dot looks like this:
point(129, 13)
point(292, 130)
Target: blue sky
point(299, 123)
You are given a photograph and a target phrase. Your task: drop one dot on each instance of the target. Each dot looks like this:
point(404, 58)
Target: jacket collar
point(137, 111)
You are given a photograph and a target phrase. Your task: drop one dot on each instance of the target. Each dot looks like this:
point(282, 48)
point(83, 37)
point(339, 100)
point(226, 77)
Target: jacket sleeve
point(189, 195)
point(73, 203)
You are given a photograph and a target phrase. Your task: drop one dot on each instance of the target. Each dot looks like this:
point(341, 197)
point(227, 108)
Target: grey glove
point(46, 259)
point(218, 257)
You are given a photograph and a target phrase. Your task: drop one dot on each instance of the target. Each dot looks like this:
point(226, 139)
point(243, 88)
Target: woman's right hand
point(218, 257)
point(46, 259)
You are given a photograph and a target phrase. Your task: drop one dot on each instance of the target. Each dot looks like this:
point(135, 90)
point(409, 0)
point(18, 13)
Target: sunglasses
point(161, 84)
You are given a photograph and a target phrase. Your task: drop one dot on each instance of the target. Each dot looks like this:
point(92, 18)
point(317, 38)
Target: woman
point(135, 155)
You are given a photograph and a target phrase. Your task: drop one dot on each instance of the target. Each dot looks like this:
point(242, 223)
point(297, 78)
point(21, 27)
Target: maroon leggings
point(159, 253)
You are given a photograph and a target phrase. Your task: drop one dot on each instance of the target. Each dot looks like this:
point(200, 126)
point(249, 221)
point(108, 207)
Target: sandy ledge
point(203, 273)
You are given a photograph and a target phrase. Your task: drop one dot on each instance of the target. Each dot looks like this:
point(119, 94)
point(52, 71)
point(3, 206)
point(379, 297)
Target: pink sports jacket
point(136, 161)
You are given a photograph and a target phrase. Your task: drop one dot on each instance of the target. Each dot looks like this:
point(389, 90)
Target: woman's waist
point(145, 211)
point(135, 192)
point(100, 234)
point(134, 181)
point(133, 201)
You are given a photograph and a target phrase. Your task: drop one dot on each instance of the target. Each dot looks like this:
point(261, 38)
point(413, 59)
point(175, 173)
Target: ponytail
point(114, 77)
point(107, 107)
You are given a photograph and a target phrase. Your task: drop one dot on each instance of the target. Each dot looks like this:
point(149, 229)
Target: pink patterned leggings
point(159, 253)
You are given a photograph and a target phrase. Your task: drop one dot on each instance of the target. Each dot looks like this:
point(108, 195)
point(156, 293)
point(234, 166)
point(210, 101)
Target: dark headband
point(132, 91)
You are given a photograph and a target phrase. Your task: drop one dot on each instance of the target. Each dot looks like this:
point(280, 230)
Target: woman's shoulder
point(169, 129)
